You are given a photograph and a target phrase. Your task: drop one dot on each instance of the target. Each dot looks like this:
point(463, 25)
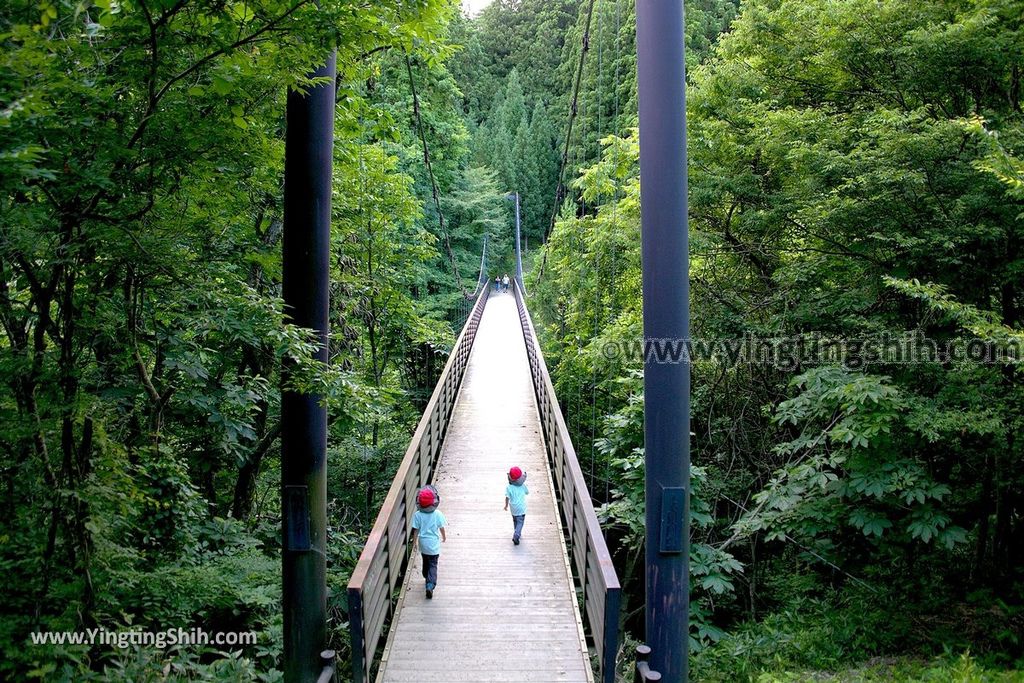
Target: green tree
point(141, 329)
point(540, 161)
point(845, 205)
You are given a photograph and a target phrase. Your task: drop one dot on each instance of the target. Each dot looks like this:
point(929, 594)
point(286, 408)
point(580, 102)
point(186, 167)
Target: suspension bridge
point(546, 609)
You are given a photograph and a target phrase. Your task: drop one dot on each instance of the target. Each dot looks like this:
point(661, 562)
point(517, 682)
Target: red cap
point(515, 473)
point(426, 498)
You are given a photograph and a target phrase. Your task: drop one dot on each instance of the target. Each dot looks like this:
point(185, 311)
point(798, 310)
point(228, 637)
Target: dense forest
point(856, 192)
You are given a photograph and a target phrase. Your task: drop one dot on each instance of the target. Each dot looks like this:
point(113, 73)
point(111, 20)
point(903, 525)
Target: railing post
point(583, 577)
point(421, 477)
point(610, 638)
point(392, 557)
point(355, 626)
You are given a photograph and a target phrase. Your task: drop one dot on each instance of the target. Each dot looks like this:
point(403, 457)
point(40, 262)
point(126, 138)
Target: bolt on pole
point(306, 265)
point(661, 80)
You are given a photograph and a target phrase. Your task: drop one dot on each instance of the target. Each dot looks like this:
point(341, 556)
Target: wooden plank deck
point(500, 612)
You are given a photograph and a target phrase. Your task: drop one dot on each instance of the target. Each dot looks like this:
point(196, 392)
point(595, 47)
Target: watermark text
point(123, 639)
point(790, 353)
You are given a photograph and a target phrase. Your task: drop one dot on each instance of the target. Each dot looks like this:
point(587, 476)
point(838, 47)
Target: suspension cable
point(433, 181)
point(579, 160)
point(598, 302)
point(615, 209)
point(482, 277)
point(560, 186)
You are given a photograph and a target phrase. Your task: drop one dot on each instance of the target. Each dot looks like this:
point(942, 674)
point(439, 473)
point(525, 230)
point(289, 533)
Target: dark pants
point(430, 569)
point(517, 525)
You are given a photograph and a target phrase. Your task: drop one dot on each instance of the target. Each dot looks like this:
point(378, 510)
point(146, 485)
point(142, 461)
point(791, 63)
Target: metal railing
point(385, 555)
point(590, 559)
point(465, 304)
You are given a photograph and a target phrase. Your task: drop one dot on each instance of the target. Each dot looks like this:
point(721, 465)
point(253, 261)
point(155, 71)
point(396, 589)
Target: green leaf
point(716, 583)
point(222, 86)
point(870, 523)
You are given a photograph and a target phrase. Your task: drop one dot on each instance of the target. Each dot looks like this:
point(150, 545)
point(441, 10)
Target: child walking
point(515, 493)
point(428, 528)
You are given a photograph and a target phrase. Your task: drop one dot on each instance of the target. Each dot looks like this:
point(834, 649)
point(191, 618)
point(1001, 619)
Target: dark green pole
point(661, 81)
point(306, 265)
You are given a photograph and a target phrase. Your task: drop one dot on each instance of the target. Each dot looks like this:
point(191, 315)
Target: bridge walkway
point(500, 612)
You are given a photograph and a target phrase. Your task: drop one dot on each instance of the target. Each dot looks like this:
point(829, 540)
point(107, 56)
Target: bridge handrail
point(382, 562)
point(591, 561)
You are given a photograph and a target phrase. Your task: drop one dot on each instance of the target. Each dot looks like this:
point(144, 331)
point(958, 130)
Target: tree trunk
point(248, 475)
point(981, 548)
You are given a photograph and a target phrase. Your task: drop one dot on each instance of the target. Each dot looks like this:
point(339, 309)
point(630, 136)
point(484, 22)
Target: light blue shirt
point(516, 498)
point(429, 525)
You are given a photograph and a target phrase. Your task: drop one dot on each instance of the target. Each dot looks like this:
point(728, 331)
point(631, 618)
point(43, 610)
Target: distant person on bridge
point(497, 283)
point(515, 493)
point(504, 283)
point(428, 527)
